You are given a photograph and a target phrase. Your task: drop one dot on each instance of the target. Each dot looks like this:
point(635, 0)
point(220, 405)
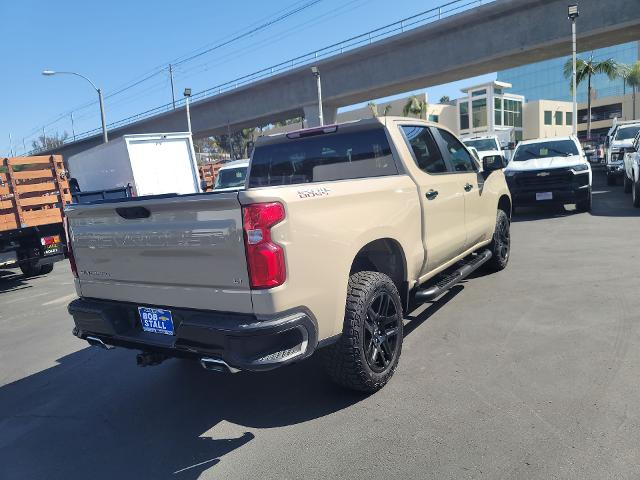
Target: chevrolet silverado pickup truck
point(339, 229)
point(550, 170)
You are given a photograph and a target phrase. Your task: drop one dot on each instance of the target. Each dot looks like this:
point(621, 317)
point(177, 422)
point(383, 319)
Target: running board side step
point(434, 291)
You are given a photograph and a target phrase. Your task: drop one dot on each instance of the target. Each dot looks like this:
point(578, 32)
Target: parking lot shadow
point(96, 415)
point(11, 281)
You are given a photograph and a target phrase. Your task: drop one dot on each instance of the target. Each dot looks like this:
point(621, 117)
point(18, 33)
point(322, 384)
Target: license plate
point(156, 320)
point(52, 250)
point(544, 196)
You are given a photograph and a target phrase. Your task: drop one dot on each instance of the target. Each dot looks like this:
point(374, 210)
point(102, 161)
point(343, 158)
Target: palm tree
point(387, 109)
point(587, 69)
point(374, 108)
point(444, 99)
point(415, 106)
point(632, 78)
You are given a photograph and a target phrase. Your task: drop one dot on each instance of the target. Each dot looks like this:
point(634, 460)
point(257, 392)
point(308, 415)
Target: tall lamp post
point(187, 94)
point(316, 73)
point(50, 73)
point(573, 14)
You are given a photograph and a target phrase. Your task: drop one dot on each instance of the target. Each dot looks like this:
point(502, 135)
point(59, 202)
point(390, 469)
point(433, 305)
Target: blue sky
point(117, 42)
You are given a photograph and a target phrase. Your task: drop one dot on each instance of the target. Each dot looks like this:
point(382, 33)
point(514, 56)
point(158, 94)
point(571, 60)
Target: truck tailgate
point(182, 251)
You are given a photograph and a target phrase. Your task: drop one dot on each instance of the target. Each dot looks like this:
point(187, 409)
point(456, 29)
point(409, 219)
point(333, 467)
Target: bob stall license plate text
point(156, 320)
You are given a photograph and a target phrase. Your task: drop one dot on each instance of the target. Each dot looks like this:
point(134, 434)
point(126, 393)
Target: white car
point(232, 176)
point(550, 170)
point(486, 146)
point(632, 170)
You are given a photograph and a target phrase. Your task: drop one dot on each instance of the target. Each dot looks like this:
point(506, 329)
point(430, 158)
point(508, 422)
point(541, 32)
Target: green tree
point(585, 69)
point(444, 99)
point(415, 106)
point(49, 142)
point(632, 79)
point(374, 108)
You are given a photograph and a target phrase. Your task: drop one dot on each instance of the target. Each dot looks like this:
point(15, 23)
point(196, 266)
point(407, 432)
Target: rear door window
point(458, 154)
point(345, 154)
point(425, 150)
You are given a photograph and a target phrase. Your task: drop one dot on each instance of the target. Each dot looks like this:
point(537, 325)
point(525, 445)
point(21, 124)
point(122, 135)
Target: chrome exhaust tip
point(217, 365)
point(96, 342)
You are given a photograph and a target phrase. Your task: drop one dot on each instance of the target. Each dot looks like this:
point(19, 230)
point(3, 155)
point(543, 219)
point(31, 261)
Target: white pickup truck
point(338, 229)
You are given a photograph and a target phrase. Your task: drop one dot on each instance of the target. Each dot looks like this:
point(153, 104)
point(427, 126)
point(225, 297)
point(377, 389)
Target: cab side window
point(425, 150)
point(460, 158)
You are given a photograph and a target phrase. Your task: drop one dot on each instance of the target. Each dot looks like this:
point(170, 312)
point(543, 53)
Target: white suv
point(550, 170)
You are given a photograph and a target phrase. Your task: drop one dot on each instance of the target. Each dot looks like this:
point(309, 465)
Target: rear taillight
point(72, 259)
point(52, 240)
point(265, 259)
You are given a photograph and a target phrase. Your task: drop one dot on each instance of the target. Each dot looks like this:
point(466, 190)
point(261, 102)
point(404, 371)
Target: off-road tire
point(611, 180)
point(500, 245)
point(635, 193)
point(585, 205)
point(345, 360)
point(626, 184)
point(30, 270)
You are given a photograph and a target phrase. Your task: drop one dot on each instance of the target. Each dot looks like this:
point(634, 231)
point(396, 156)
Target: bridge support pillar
point(312, 119)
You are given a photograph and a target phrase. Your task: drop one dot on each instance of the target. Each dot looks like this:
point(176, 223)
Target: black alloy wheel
point(380, 332)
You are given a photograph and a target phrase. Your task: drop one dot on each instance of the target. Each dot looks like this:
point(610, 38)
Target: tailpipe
point(96, 342)
point(217, 365)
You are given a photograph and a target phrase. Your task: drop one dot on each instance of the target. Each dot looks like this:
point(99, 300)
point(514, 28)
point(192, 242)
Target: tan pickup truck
point(338, 230)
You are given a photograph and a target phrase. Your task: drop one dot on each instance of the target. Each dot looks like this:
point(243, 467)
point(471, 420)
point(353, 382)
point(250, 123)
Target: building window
point(479, 113)
point(603, 112)
point(512, 113)
point(569, 119)
point(497, 111)
point(477, 93)
point(497, 91)
point(434, 118)
point(547, 117)
point(558, 118)
point(464, 115)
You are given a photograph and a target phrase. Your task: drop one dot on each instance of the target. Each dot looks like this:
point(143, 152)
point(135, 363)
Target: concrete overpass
point(496, 36)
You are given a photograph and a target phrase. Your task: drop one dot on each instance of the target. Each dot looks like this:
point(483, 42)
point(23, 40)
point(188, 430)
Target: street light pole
point(316, 73)
point(573, 14)
point(187, 95)
point(105, 138)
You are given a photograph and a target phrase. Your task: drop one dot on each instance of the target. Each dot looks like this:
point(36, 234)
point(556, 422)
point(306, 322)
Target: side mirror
point(492, 163)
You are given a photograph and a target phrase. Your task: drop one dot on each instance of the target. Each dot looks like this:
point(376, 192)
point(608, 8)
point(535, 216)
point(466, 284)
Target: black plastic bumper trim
point(244, 341)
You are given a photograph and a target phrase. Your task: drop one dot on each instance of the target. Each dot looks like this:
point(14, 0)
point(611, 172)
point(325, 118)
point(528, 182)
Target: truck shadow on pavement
point(96, 415)
point(10, 281)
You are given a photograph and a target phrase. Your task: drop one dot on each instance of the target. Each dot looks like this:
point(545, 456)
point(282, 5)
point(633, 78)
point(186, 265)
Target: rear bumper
point(245, 342)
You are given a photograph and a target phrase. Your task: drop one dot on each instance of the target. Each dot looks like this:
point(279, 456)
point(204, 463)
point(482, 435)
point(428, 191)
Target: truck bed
point(33, 191)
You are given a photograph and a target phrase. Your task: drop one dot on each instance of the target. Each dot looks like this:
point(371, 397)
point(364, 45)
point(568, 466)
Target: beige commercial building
point(489, 108)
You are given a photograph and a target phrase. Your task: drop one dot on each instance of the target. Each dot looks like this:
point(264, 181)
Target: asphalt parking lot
point(531, 373)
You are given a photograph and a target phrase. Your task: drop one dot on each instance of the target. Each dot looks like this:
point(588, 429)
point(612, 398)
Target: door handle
point(431, 194)
point(468, 187)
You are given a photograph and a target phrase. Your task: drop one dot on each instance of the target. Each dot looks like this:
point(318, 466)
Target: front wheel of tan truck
point(368, 351)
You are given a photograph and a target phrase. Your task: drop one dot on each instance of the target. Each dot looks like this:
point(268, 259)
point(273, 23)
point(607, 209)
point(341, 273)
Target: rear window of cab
point(341, 155)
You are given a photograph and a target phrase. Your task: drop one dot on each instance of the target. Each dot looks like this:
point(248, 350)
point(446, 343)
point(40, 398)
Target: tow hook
point(149, 359)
